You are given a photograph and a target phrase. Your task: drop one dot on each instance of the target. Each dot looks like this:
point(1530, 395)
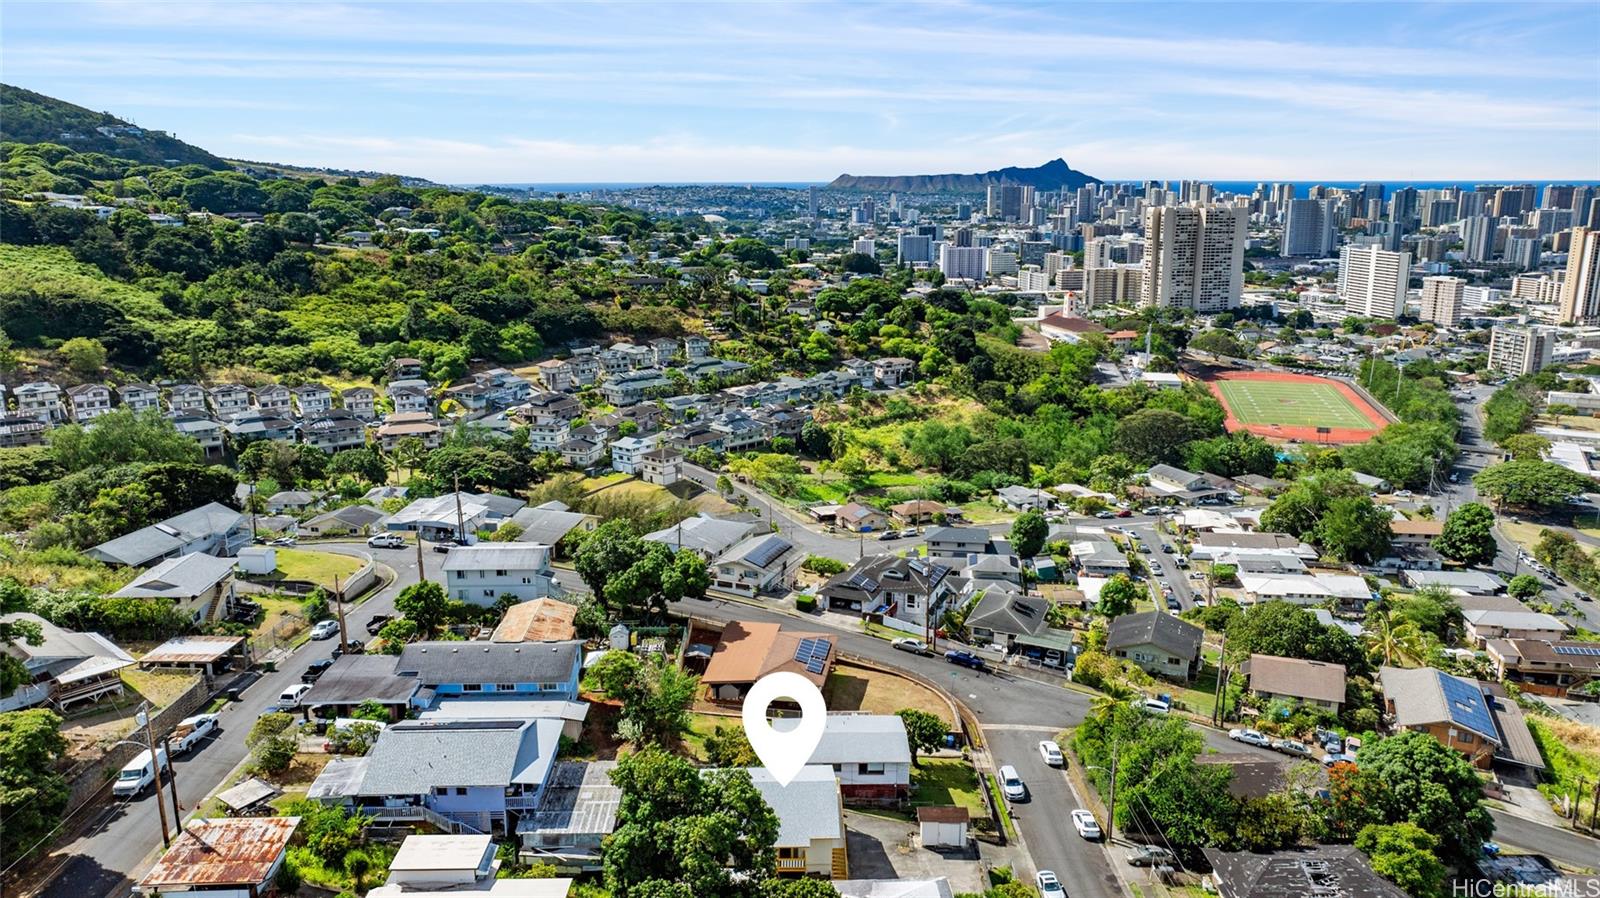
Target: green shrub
point(805, 603)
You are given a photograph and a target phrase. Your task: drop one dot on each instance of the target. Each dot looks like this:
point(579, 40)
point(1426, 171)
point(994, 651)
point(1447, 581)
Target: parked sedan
point(1011, 784)
point(325, 629)
point(1051, 753)
point(965, 659)
point(914, 646)
point(1293, 747)
point(1049, 886)
point(1250, 737)
point(1086, 825)
point(1150, 856)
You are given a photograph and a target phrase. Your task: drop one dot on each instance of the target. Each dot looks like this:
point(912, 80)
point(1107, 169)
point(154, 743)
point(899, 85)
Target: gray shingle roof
point(435, 663)
point(863, 739)
point(1005, 612)
point(1155, 628)
point(498, 557)
point(807, 808)
point(703, 534)
point(181, 577)
point(412, 757)
point(546, 525)
point(149, 543)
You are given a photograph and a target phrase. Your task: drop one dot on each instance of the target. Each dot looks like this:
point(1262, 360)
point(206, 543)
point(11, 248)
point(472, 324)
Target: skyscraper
point(962, 261)
point(1403, 206)
point(1307, 228)
point(1372, 280)
point(811, 200)
point(1580, 292)
point(1194, 257)
point(1520, 350)
point(1441, 300)
point(914, 248)
point(1477, 238)
point(1005, 201)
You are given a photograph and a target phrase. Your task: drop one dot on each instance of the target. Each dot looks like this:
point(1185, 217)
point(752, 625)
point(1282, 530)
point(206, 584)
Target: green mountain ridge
point(30, 117)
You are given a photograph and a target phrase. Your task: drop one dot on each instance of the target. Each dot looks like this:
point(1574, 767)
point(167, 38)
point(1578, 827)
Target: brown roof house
point(858, 518)
point(749, 651)
point(1316, 683)
point(235, 857)
point(1157, 642)
point(538, 620)
point(1464, 714)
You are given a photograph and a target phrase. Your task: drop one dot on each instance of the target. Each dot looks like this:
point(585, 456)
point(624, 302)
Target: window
point(461, 790)
point(789, 854)
point(441, 790)
point(499, 573)
point(472, 687)
point(489, 593)
point(869, 768)
point(549, 687)
point(505, 687)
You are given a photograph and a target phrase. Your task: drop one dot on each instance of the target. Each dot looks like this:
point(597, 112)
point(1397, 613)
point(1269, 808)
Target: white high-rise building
point(1308, 229)
point(1194, 257)
point(1477, 238)
point(1372, 280)
point(999, 263)
point(1520, 350)
point(914, 248)
point(1580, 291)
point(1441, 300)
point(800, 243)
point(961, 261)
point(1054, 262)
point(863, 245)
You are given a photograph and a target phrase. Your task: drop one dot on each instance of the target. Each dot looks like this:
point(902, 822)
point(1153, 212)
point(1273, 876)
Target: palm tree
point(1389, 639)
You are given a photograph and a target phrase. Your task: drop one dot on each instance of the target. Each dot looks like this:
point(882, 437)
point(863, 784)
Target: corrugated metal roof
point(224, 852)
point(191, 649)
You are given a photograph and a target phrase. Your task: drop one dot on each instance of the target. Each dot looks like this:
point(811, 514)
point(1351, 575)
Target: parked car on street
point(191, 731)
point(1048, 885)
point(1011, 784)
point(377, 622)
point(1292, 747)
point(914, 646)
point(387, 541)
point(325, 629)
point(291, 696)
point(445, 546)
point(1250, 737)
point(965, 659)
point(1150, 856)
point(1051, 753)
point(1086, 825)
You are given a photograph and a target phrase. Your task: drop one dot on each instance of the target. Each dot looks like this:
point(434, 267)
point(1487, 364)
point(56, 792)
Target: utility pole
point(338, 607)
point(172, 783)
point(461, 526)
point(1111, 804)
point(143, 719)
point(1594, 809)
point(422, 575)
point(1222, 665)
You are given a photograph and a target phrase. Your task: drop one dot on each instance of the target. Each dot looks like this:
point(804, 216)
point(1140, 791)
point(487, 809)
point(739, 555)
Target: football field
point(1292, 404)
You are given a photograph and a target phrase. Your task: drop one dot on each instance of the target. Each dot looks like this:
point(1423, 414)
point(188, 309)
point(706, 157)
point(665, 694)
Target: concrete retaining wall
point(95, 776)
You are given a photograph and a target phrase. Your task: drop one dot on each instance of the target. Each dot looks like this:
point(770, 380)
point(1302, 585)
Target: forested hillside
point(35, 118)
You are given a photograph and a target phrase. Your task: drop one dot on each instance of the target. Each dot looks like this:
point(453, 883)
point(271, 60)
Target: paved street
point(124, 836)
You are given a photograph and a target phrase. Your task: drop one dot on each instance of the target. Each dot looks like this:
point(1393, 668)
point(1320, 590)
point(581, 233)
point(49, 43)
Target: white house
point(870, 754)
point(138, 397)
point(40, 400)
point(626, 452)
point(810, 811)
point(89, 401)
point(434, 864)
point(482, 573)
point(754, 565)
point(661, 466)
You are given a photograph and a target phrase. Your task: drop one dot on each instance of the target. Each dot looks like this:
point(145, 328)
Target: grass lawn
point(852, 688)
point(591, 484)
point(1572, 422)
point(701, 726)
point(1199, 697)
point(947, 781)
point(159, 688)
point(1291, 404)
point(315, 567)
point(982, 511)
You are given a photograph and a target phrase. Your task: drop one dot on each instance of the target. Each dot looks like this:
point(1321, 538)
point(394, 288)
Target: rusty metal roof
point(222, 852)
point(191, 650)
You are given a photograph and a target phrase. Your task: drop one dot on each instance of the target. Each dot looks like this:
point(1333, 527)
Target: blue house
point(547, 671)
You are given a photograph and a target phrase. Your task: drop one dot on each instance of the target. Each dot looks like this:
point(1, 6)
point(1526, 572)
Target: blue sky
point(757, 91)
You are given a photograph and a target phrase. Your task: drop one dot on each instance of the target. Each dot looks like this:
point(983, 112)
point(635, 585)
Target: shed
point(212, 654)
point(257, 560)
point(248, 797)
point(943, 826)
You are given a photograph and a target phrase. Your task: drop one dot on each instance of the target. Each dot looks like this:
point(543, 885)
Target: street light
point(1111, 803)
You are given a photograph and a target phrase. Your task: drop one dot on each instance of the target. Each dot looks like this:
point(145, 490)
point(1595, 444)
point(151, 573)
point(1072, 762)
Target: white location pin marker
point(784, 752)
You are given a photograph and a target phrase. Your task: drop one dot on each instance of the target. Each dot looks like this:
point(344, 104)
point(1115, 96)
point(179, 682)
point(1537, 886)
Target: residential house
point(222, 857)
point(1025, 498)
point(584, 449)
point(454, 515)
point(334, 431)
point(538, 620)
point(138, 397)
point(810, 811)
point(781, 419)
point(89, 401)
point(664, 350)
point(228, 400)
point(293, 501)
point(547, 671)
point(548, 433)
point(434, 865)
point(1168, 479)
point(1414, 533)
point(361, 402)
point(958, 542)
point(203, 430)
point(483, 573)
point(250, 426)
point(504, 388)
point(550, 523)
point(1472, 583)
point(1483, 625)
point(870, 755)
point(1349, 590)
point(312, 399)
point(1316, 683)
point(1158, 642)
point(1208, 546)
point(1556, 668)
point(585, 365)
point(200, 586)
point(355, 679)
point(1002, 572)
point(740, 431)
point(64, 668)
point(626, 453)
point(893, 370)
point(40, 400)
point(661, 466)
point(471, 396)
point(1326, 871)
point(858, 518)
point(409, 395)
point(749, 651)
point(555, 375)
point(918, 511)
point(999, 617)
point(552, 406)
point(635, 386)
point(186, 399)
point(704, 535)
point(409, 425)
point(351, 520)
point(212, 529)
point(577, 810)
point(1096, 556)
point(275, 399)
point(405, 369)
point(18, 430)
point(1453, 710)
point(754, 566)
point(906, 592)
point(696, 347)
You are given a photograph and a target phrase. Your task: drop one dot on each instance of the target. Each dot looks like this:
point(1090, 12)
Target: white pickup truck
point(191, 731)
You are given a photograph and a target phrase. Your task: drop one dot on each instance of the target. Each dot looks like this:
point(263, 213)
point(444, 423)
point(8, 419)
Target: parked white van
point(139, 773)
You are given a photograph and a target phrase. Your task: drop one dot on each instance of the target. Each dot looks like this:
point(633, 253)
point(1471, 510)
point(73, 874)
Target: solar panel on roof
point(768, 551)
point(1576, 650)
point(1465, 704)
